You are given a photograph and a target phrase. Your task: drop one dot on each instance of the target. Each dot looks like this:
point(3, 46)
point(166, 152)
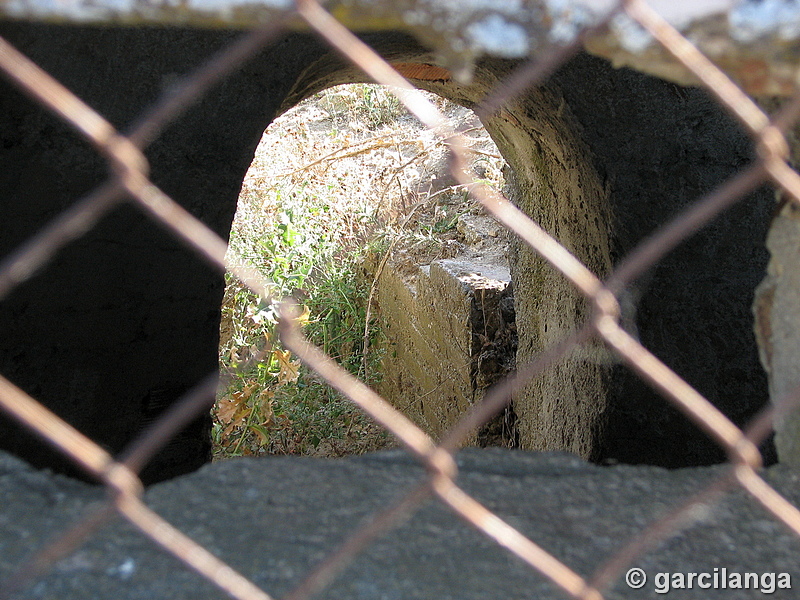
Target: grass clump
point(306, 230)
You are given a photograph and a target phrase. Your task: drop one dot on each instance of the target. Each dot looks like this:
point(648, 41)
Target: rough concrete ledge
point(757, 41)
point(274, 518)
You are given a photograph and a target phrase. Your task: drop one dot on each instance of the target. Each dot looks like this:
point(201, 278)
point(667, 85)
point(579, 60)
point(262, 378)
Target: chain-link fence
point(129, 181)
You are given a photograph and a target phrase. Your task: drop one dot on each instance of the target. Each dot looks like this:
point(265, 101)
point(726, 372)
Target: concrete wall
point(776, 308)
point(127, 318)
point(449, 334)
point(553, 179)
point(601, 158)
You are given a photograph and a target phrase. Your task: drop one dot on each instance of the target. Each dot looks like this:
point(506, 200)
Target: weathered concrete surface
point(777, 312)
point(273, 519)
point(449, 328)
point(658, 148)
point(555, 181)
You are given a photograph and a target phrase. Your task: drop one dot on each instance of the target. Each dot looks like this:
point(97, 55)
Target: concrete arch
point(126, 319)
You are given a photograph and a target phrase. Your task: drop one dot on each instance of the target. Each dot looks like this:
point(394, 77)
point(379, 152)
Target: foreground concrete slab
point(273, 519)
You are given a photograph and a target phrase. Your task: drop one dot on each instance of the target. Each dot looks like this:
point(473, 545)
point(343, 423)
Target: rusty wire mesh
point(129, 182)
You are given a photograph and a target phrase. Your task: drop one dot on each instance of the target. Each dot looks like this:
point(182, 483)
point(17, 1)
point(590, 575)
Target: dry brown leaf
point(244, 394)
point(233, 410)
point(238, 419)
point(234, 356)
point(265, 406)
point(260, 434)
point(289, 369)
point(226, 409)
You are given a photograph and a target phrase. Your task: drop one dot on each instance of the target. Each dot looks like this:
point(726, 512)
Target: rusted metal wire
point(502, 393)
point(397, 512)
point(129, 181)
point(183, 94)
point(687, 223)
point(59, 547)
point(533, 72)
point(180, 414)
point(680, 516)
point(25, 261)
point(773, 153)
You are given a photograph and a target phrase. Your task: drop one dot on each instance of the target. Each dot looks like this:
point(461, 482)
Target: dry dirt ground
point(355, 146)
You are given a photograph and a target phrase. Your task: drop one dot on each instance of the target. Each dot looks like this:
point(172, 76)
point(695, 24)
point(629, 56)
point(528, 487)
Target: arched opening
point(596, 187)
point(347, 206)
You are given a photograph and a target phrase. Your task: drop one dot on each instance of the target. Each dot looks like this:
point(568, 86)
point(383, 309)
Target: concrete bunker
point(600, 157)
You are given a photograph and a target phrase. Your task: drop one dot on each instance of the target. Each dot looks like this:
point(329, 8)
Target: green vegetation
point(303, 234)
